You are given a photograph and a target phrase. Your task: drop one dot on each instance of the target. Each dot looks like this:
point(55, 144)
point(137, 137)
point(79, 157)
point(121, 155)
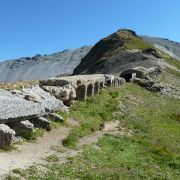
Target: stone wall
point(25, 108)
point(79, 87)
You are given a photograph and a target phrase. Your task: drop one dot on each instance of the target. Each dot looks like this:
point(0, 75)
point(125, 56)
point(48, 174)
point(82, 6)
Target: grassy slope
point(132, 41)
point(151, 152)
point(91, 115)
point(171, 61)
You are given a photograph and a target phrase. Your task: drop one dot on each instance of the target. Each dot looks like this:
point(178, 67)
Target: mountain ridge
point(119, 51)
point(41, 67)
point(169, 45)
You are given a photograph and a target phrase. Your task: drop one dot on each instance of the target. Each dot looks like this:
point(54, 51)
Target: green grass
point(91, 114)
point(133, 42)
point(34, 135)
point(52, 158)
point(173, 71)
point(170, 60)
point(151, 152)
point(19, 85)
point(8, 148)
point(137, 43)
point(173, 61)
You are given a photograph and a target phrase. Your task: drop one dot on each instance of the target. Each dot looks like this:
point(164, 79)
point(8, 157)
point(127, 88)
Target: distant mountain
point(42, 67)
point(166, 45)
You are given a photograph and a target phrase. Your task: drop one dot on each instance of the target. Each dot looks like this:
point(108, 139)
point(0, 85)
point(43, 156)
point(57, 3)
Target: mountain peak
point(127, 32)
point(123, 47)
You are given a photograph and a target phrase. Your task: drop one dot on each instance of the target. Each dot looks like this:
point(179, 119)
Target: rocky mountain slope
point(170, 47)
point(42, 67)
point(120, 51)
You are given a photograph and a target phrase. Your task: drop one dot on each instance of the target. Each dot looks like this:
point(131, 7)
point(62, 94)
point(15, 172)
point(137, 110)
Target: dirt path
point(30, 153)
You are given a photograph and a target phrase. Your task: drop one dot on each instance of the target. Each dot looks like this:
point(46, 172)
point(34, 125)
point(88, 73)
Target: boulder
point(7, 135)
point(45, 99)
point(13, 107)
point(23, 128)
point(41, 122)
point(28, 103)
point(63, 93)
point(148, 84)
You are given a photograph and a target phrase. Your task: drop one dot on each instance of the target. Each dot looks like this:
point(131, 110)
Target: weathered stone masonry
point(80, 86)
point(30, 104)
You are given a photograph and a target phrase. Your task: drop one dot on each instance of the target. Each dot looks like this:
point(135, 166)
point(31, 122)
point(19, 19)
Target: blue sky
point(28, 27)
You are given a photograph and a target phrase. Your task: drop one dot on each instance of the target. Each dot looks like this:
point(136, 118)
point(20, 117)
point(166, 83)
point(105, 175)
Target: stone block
point(56, 117)
point(23, 128)
point(41, 122)
point(7, 135)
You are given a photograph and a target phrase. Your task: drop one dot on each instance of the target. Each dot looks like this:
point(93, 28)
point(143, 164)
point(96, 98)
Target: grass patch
point(133, 42)
point(19, 85)
point(174, 72)
point(52, 158)
point(92, 114)
point(170, 60)
point(114, 94)
point(137, 43)
point(173, 61)
point(8, 148)
point(34, 135)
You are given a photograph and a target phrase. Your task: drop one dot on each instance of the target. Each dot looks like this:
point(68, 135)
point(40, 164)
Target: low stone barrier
point(32, 104)
point(79, 87)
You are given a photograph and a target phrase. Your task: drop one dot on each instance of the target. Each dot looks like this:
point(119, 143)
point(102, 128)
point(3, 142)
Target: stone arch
point(90, 90)
point(96, 88)
point(81, 93)
point(102, 84)
point(131, 73)
point(138, 72)
point(109, 83)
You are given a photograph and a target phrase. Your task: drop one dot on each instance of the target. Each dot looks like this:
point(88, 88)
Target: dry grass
point(19, 84)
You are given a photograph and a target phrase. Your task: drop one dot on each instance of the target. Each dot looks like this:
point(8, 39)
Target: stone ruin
point(140, 73)
point(23, 110)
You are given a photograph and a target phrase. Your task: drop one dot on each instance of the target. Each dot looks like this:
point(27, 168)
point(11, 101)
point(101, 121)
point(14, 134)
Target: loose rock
point(56, 117)
point(7, 135)
point(42, 122)
point(23, 128)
